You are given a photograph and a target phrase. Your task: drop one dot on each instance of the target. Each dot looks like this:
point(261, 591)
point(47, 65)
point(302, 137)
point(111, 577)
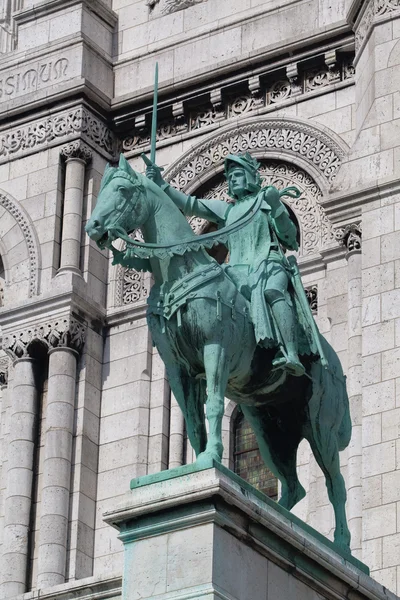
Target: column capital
point(77, 149)
point(350, 237)
point(67, 331)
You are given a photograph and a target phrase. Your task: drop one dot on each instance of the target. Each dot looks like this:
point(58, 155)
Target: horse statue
point(201, 326)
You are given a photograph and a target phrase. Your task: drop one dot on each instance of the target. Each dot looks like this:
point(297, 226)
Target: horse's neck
point(167, 225)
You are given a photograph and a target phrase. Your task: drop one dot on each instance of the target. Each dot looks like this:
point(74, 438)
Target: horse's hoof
point(206, 459)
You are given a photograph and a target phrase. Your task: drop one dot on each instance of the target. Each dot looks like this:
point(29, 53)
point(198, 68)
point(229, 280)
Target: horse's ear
point(107, 176)
point(125, 166)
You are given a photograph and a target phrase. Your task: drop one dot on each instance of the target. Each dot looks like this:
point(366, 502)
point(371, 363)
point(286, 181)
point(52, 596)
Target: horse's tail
point(334, 382)
point(344, 432)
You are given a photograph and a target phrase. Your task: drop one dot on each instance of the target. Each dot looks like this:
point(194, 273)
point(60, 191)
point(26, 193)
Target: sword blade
point(154, 118)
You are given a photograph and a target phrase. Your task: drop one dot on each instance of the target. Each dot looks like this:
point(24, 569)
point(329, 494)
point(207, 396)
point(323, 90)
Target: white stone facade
point(312, 89)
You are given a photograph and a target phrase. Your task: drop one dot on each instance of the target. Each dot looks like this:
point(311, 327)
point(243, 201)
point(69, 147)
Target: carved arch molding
point(291, 153)
point(24, 223)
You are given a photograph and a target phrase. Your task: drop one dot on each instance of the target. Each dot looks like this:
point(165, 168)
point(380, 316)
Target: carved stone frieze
point(373, 8)
point(52, 130)
point(77, 149)
point(350, 236)
point(66, 332)
point(286, 136)
point(220, 107)
point(386, 6)
point(15, 209)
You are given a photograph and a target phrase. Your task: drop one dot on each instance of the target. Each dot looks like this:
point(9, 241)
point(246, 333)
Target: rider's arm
point(284, 227)
point(211, 210)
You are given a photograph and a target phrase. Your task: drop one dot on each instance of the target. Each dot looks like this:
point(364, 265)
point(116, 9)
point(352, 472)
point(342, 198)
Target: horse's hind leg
point(217, 372)
point(190, 395)
point(325, 449)
point(278, 452)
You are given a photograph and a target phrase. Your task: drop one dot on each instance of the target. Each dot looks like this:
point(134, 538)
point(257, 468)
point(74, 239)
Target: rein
point(206, 240)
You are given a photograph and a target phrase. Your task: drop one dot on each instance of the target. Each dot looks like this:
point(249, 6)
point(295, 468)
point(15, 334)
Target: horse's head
point(121, 204)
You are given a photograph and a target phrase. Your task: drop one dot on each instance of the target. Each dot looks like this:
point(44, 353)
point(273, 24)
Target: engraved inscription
point(31, 79)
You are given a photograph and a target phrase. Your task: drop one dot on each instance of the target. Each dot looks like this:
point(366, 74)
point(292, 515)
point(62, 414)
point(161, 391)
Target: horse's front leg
point(217, 373)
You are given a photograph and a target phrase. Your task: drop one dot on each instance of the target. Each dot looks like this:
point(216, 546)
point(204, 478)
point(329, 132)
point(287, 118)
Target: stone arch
point(314, 148)
point(293, 151)
point(20, 247)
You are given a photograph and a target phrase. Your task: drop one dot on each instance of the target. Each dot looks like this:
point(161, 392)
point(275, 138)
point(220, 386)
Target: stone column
point(17, 505)
point(351, 238)
point(52, 556)
point(77, 156)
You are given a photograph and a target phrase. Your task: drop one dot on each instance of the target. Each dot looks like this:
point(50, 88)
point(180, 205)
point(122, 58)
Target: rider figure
point(256, 263)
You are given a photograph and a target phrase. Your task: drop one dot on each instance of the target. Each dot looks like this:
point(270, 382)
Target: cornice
point(67, 297)
point(51, 6)
point(89, 588)
point(246, 68)
point(124, 314)
point(347, 205)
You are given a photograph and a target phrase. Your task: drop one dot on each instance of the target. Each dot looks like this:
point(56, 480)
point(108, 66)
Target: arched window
point(248, 463)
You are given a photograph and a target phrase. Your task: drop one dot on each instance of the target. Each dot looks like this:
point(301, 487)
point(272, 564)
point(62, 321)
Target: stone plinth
point(191, 533)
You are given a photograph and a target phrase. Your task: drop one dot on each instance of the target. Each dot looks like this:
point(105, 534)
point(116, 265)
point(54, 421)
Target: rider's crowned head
point(250, 167)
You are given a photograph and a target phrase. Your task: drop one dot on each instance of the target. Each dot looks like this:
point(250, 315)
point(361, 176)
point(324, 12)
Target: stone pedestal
point(200, 534)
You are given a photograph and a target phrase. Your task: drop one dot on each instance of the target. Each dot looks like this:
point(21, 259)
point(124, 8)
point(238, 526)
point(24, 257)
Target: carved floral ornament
point(67, 332)
point(350, 236)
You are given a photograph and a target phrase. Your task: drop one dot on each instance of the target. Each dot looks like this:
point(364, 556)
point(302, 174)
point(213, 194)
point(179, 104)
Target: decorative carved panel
point(287, 136)
point(54, 129)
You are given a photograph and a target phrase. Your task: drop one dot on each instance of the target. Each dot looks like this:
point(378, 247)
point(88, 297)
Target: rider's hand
point(153, 172)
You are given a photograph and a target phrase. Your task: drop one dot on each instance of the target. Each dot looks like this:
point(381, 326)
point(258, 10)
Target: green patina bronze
point(242, 330)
